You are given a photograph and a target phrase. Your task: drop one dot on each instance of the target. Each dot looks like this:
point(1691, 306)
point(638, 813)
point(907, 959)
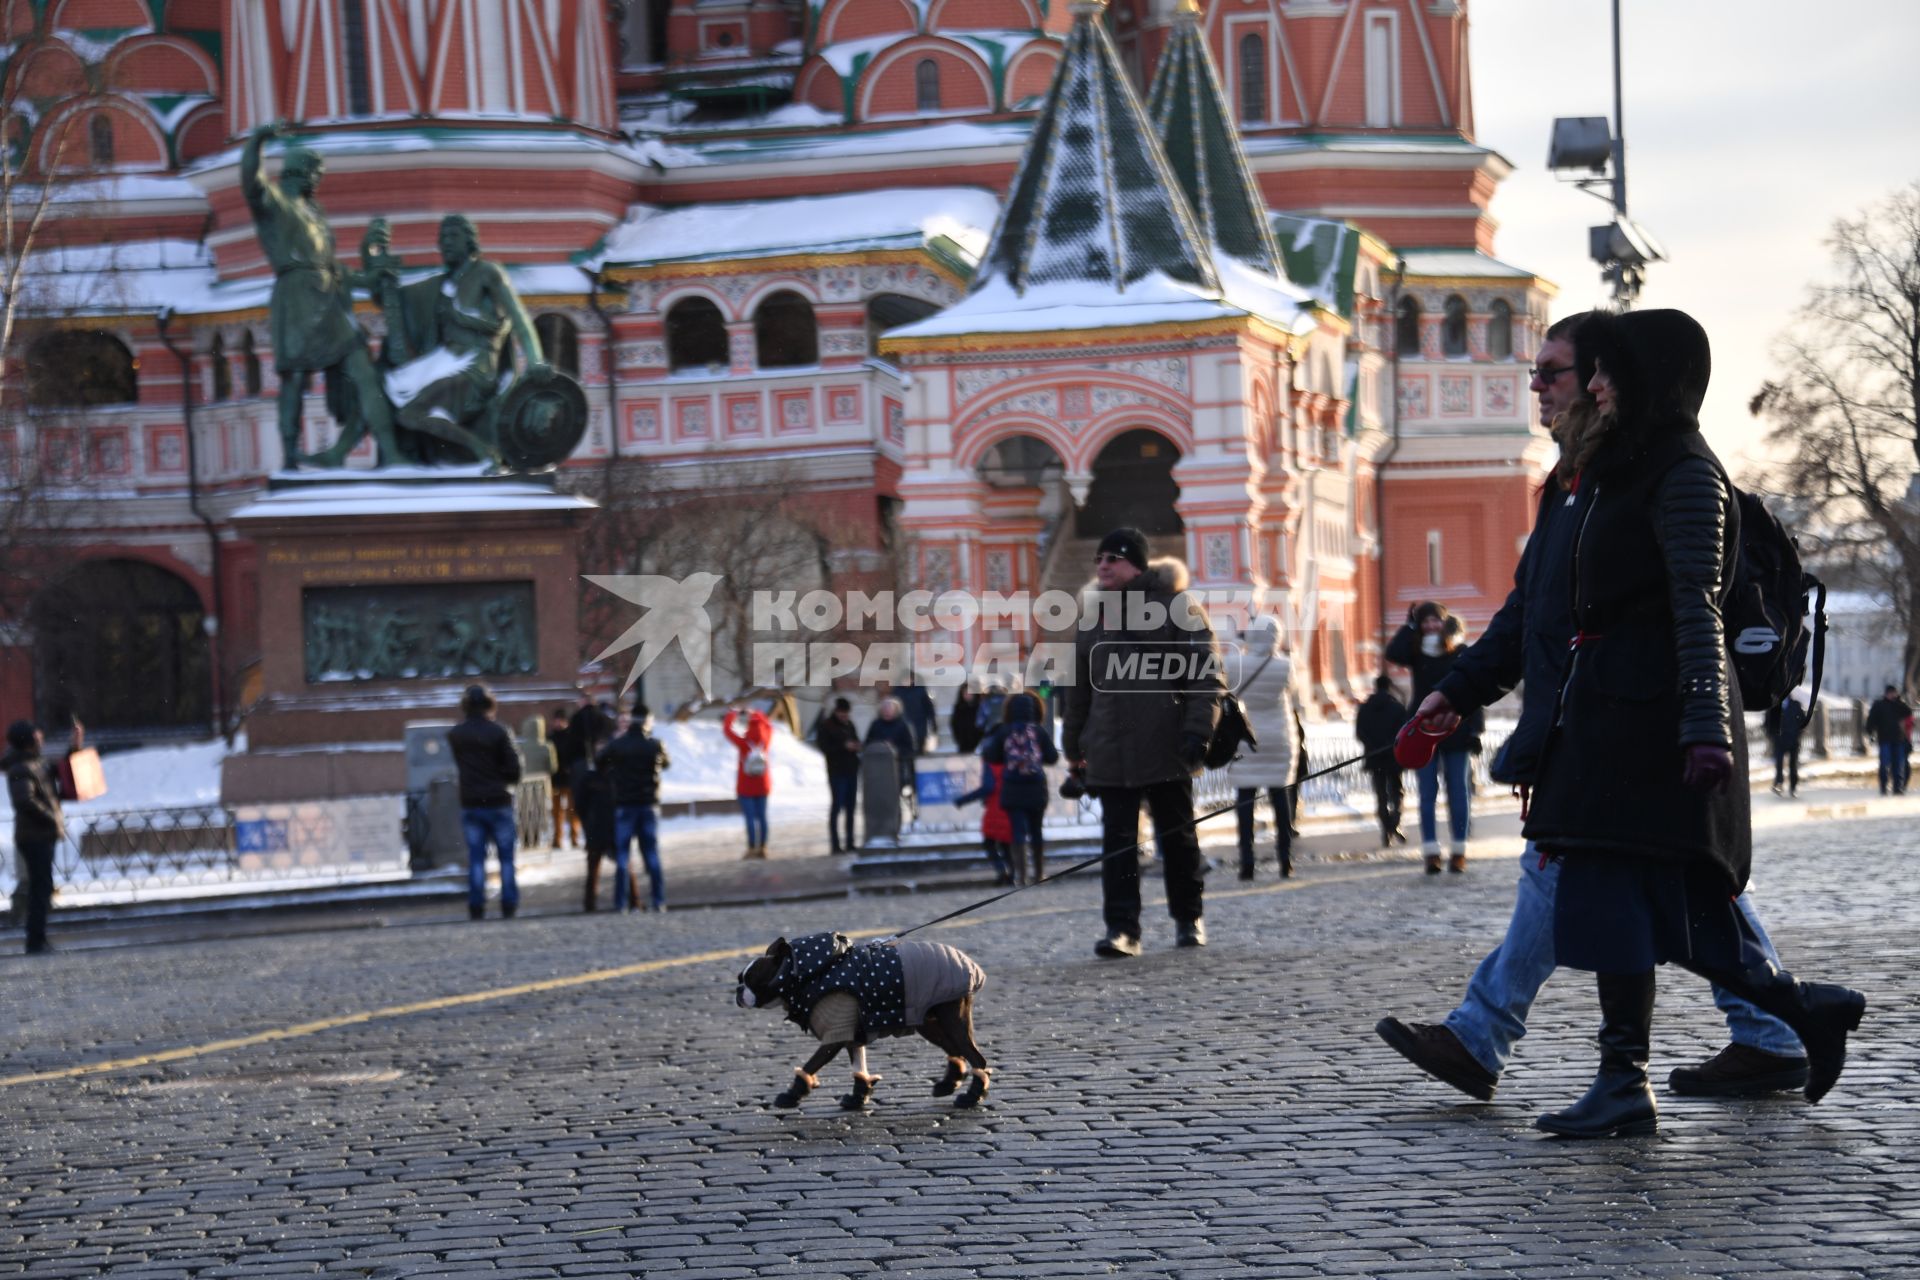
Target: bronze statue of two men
point(437, 393)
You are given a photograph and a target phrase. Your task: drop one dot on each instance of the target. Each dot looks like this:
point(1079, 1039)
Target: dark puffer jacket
point(1651, 566)
point(1130, 723)
point(35, 792)
point(1527, 639)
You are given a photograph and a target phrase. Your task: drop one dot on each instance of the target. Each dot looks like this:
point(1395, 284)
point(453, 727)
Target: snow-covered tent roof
point(1094, 201)
point(952, 220)
point(1096, 233)
point(1189, 111)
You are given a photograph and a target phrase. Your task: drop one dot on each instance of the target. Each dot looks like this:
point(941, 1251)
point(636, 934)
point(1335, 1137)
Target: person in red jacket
point(754, 778)
point(996, 828)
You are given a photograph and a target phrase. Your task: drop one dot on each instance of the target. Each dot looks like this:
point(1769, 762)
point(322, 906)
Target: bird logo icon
point(675, 611)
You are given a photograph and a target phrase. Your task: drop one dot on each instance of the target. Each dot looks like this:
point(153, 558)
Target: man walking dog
point(1145, 698)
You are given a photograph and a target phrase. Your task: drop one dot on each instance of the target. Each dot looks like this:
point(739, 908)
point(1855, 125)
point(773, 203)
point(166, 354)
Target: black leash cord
point(1133, 848)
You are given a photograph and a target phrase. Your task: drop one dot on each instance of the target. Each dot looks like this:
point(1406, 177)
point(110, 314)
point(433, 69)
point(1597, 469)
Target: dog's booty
point(862, 1092)
point(946, 1084)
point(802, 1086)
point(976, 1091)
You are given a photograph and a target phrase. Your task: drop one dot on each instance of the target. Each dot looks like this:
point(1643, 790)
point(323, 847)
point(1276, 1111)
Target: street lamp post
point(1592, 154)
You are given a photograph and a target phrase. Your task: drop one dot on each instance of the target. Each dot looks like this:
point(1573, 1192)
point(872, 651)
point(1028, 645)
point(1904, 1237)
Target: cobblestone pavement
point(330, 1103)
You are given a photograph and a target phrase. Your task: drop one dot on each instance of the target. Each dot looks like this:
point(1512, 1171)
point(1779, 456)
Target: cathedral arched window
point(784, 332)
point(926, 85)
point(353, 33)
point(1500, 330)
point(696, 335)
point(1253, 80)
point(1406, 327)
point(1453, 327)
point(100, 139)
point(560, 340)
point(222, 371)
point(250, 363)
point(75, 368)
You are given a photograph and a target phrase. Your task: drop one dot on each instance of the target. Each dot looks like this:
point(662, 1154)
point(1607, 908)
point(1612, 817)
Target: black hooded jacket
point(1651, 565)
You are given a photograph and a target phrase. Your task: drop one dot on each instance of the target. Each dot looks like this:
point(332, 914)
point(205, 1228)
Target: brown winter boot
point(1457, 863)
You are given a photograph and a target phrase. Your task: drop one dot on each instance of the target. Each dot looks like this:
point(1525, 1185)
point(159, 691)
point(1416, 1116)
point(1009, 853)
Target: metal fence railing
point(141, 854)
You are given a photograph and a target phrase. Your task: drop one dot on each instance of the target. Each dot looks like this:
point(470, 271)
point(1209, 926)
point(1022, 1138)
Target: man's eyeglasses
point(1547, 373)
point(1107, 557)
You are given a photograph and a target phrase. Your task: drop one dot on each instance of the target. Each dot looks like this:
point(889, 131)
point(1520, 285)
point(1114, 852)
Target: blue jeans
point(1893, 766)
point(630, 820)
point(1494, 1014)
point(1428, 777)
point(755, 810)
point(480, 826)
point(845, 788)
point(1025, 824)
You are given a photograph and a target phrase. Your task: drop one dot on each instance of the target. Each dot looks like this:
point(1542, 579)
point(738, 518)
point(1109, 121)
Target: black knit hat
point(1129, 544)
point(20, 734)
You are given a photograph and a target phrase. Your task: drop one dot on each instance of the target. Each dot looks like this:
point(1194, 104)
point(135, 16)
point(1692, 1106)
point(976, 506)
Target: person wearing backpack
point(1017, 754)
point(1641, 786)
point(753, 779)
point(1526, 644)
point(1262, 683)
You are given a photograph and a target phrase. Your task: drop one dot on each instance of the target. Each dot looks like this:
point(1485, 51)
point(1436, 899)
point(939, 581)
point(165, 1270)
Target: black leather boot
point(1820, 1013)
point(1620, 1101)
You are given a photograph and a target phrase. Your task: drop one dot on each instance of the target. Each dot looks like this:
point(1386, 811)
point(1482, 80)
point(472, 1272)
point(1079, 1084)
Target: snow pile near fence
point(704, 764)
point(159, 778)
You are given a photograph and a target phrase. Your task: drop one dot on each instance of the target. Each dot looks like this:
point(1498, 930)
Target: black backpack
point(1774, 632)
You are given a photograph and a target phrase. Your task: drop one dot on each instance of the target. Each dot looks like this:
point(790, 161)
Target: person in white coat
point(1263, 681)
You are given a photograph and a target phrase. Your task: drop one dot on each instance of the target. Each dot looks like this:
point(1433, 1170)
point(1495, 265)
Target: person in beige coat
point(1262, 676)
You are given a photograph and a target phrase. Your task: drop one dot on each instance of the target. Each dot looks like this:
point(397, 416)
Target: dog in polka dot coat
point(849, 996)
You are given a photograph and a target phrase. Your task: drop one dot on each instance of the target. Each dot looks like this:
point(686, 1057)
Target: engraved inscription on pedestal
point(419, 632)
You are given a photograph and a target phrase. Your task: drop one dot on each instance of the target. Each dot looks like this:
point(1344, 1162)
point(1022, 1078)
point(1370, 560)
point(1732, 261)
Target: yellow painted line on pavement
point(302, 1029)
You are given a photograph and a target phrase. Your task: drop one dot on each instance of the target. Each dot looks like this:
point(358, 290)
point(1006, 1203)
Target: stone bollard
point(1859, 727)
point(1819, 727)
point(880, 793)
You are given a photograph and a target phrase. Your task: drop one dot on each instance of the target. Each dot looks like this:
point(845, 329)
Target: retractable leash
point(1412, 749)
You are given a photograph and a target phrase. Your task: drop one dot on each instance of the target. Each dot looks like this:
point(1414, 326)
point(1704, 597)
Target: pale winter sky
point(1750, 126)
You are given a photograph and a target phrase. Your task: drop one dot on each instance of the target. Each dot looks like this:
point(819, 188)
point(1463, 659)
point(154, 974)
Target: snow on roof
point(453, 491)
point(953, 136)
point(1079, 304)
point(1461, 262)
point(1381, 143)
point(894, 217)
point(102, 279)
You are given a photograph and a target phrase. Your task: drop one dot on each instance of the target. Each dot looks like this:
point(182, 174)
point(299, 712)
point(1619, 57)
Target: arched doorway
point(1133, 485)
point(1021, 462)
point(122, 645)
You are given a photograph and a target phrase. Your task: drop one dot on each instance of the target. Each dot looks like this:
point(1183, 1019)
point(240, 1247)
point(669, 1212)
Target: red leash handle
point(1413, 748)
